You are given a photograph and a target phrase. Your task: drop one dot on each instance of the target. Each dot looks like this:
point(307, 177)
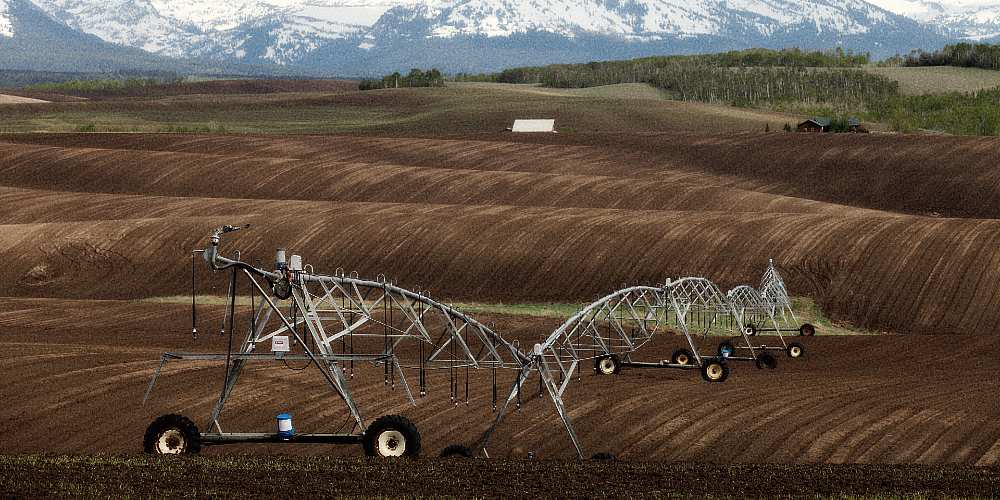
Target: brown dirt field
point(321, 477)
point(151, 173)
point(490, 217)
point(213, 87)
point(489, 220)
point(77, 370)
point(945, 176)
point(222, 87)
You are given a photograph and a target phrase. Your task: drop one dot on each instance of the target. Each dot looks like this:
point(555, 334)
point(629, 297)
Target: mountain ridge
point(333, 36)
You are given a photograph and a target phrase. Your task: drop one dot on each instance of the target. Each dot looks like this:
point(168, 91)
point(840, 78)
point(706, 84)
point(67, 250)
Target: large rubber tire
point(607, 365)
point(726, 349)
point(172, 435)
point(751, 330)
point(682, 357)
point(391, 436)
point(807, 330)
point(795, 350)
point(765, 360)
point(456, 451)
point(714, 371)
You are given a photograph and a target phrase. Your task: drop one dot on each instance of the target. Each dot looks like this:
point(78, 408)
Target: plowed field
point(891, 234)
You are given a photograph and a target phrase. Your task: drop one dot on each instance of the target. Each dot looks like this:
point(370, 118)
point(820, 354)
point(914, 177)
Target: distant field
point(618, 91)
point(462, 109)
point(940, 79)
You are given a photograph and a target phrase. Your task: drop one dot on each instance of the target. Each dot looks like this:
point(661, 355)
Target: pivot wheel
point(726, 349)
point(807, 330)
point(751, 330)
point(765, 360)
point(795, 350)
point(682, 357)
point(456, 451)
point(607, 365)
point(714, 371)
point(391, 436)
point(172, 435)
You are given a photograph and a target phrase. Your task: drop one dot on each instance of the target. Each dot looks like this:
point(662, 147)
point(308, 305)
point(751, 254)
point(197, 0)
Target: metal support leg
point(546, 375)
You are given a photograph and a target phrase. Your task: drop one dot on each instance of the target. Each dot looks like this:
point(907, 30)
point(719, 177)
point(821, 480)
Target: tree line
point(640, 70)
point(744, 78)
point(100, 85)
point(965, 55)
point(23, 79)
point(416, 78)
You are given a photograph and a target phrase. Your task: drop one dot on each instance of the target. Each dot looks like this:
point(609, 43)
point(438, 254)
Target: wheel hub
point(391, 444)
point(607, 366)
point(171, 442)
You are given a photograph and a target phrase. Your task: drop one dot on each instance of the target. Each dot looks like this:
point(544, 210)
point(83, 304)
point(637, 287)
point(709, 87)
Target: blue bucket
point(285, 429)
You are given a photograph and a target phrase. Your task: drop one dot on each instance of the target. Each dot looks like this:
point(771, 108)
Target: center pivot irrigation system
point(331, 323)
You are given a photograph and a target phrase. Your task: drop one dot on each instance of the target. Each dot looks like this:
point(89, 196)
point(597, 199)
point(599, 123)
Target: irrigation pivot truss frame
point(775, 295)
point(613, 328)
point(770, 311)
point(338, 321)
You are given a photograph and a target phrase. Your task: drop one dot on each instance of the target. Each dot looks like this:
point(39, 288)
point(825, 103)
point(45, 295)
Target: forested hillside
point(830, 83)
point(745, 78)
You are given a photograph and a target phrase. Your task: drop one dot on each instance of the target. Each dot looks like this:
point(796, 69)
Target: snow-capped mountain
point(5, 25)
point(648, 18)
point(369, 35)
point(920, 10)
point(198, 28)
point(968, 19)
point(978, 23)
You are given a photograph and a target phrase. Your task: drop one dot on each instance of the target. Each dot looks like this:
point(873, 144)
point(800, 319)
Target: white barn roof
point(534, 126)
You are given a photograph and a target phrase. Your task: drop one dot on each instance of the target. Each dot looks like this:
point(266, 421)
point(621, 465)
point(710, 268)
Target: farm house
point(817, 125)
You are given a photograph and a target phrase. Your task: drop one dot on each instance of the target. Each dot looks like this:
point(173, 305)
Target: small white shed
point(534, 126)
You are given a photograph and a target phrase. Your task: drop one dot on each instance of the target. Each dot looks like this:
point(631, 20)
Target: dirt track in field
point(880, 236)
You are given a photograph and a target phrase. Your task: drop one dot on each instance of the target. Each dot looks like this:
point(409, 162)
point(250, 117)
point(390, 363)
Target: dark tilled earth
point(282, 477)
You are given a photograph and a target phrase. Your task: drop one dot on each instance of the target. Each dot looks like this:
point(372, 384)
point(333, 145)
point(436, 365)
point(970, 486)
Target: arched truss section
point(335, 321)
point(775, 296)
point(621, 323)
point(749, 305)
point(701, 308)
point(757, 314)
